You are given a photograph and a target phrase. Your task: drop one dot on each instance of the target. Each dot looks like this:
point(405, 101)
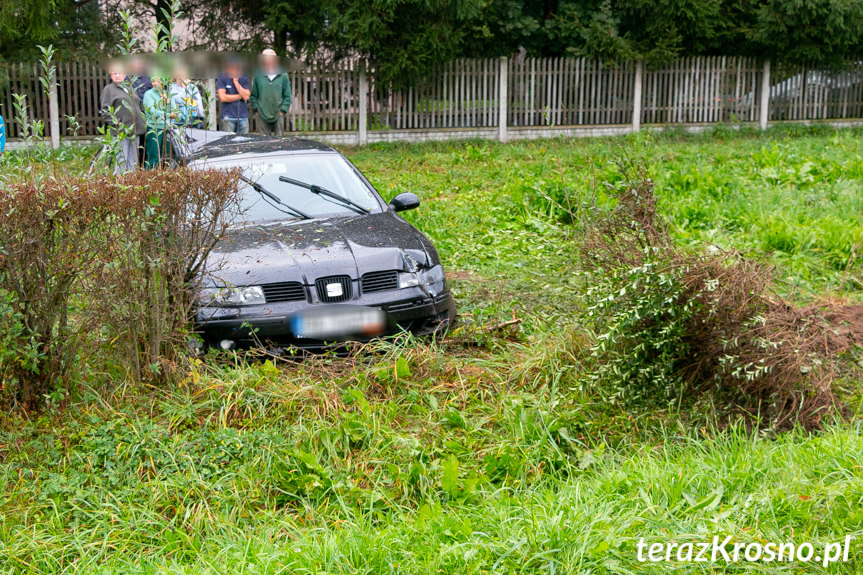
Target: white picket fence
point(700, 90)
point(501, 97)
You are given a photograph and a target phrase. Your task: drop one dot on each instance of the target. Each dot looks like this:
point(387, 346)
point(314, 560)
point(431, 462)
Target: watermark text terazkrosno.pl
point(727, 550)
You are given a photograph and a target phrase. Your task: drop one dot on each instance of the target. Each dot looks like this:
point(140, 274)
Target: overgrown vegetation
point(485, 452)
point(673, 322)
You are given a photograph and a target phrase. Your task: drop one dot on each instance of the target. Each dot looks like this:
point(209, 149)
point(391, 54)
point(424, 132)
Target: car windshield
point(329, 171)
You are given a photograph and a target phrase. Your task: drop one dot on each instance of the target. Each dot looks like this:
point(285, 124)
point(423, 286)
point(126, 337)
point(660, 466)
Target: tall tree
point(72, 26)
point(401, 39)
point(805, 31)
point(404, 39)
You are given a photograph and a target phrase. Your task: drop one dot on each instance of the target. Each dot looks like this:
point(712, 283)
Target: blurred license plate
point(338, 321)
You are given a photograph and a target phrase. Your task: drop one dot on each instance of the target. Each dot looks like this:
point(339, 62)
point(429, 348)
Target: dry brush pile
point(670, 324)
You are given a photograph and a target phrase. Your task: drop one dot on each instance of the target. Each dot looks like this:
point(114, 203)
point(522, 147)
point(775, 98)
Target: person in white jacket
point(186, 99)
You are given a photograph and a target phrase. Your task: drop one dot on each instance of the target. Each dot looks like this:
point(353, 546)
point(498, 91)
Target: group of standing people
point(268, 95)
point(142, 110)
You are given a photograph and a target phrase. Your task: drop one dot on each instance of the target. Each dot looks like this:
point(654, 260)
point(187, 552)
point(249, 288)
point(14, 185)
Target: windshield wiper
point(327, 194)
point(274, 198)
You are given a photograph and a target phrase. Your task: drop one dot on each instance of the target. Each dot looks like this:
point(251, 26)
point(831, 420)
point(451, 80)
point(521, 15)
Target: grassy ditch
point(486, 452)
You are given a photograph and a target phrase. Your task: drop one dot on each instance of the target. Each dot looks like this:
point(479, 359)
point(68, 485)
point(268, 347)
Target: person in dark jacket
point(270, 96)
point(120, 106)
point(140, 76)
point(232, 88)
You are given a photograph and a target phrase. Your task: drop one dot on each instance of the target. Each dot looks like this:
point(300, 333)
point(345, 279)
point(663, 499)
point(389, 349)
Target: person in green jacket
point(160, 114)
point(271, 94)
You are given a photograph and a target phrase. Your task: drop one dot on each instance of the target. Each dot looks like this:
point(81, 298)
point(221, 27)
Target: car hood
point(304, 250)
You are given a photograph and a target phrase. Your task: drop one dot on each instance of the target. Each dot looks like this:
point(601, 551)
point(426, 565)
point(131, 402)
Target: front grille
point(321, 287)
point(403, 305)
point(284, 291)
point(380, 281)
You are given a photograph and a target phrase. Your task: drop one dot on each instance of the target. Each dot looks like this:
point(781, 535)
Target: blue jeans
point(236, 125)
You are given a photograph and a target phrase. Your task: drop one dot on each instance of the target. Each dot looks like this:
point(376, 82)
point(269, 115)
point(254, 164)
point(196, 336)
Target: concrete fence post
point(212, 121)
point(363, 121)
point(764, 108)
point(636, 96)
point(54, 116)
point(502, 99)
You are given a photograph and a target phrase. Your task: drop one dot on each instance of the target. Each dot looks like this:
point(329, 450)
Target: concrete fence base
point(530, 133)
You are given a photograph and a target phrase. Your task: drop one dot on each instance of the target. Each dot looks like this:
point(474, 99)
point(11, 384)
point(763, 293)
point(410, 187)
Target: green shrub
point(44, 253)
point(159, 228)
point(643, 314)
point(17, 352)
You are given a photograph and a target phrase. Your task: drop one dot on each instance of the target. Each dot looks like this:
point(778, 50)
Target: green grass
point(478, 455)
point(794, 199)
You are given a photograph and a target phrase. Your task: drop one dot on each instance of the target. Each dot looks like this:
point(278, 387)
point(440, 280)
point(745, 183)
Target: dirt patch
point(846, 322)
point(462, 275)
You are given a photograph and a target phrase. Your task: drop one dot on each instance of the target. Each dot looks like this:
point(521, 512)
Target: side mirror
point(404, 201)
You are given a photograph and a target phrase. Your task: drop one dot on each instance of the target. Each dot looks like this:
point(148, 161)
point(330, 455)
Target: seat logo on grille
point(334, 290)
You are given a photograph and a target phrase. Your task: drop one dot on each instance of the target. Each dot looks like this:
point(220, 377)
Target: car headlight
point(432, 276)
point(408, 279)
point(232, 296)
point(430, 279)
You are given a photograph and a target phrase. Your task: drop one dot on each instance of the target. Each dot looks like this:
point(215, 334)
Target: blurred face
point(117, 75)
point(233, 71)
point(137, 67)
point(270, 63)
point(157, 83)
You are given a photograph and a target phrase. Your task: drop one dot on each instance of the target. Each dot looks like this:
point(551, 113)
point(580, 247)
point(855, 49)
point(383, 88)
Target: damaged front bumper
point(277, 324)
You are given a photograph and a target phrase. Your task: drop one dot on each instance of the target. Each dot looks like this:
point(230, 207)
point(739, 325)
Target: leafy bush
point(44, 252)
point(118, 254)
point(17, 351)
point(644, 312)
point(160, 228)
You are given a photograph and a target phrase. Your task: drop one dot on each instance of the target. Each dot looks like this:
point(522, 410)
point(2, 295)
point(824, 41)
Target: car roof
point(199, 144)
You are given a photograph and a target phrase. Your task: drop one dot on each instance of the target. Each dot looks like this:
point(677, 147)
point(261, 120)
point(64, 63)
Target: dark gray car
point(316, 255)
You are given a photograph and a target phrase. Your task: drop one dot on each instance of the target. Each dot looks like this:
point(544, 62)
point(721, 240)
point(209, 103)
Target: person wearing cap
point(232, 88)
point(120, 106)
point(270, 95)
